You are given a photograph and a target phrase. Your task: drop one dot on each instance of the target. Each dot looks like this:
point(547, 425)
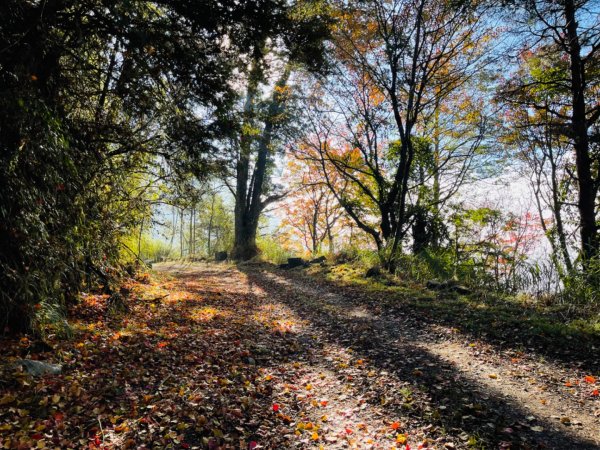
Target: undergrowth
point(562, 317)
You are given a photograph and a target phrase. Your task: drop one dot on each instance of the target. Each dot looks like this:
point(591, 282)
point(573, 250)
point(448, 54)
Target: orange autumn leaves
point(589, 380)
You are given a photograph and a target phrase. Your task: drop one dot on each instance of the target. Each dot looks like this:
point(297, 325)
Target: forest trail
point(376, 381)
point(224, 357)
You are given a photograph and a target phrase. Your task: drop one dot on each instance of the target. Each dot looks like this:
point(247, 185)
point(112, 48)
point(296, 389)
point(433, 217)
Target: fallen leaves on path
point(213, 359)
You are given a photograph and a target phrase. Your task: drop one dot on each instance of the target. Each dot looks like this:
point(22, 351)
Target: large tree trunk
point(587, 190)
point(245, 247)
point(248, 203)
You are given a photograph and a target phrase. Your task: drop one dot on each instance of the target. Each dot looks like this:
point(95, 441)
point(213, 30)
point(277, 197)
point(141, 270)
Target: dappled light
point(300, 224)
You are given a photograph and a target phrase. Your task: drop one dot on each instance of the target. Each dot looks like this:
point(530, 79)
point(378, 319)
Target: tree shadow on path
point(449, 399)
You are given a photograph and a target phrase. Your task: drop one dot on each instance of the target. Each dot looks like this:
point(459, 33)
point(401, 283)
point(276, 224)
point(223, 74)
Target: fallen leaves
point(197, 371)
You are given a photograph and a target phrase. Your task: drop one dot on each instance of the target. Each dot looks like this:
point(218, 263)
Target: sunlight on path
point(503, 381)
point(545, 409)
point(324, 370)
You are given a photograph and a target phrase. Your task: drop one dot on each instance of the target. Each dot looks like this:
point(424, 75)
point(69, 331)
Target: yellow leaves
point(309, 387)
point(249, 130)
point(493, 376)
point(314, 436)
point(282, 90)
point(401, 438)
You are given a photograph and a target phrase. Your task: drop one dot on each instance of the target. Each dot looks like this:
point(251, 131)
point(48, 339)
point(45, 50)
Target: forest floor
point(223, 357)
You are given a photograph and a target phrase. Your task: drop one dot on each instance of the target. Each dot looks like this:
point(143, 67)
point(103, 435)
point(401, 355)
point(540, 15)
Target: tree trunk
point(181, 233)
point(139, 249)
point(587, 191)
point(210, 224)
point(248, 204)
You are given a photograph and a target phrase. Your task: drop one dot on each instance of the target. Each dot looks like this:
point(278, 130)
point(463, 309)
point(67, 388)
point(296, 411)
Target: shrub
point(271, 250)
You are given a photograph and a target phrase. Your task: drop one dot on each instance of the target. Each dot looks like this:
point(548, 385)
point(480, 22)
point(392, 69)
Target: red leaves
point(589, 379)
point(275, 407)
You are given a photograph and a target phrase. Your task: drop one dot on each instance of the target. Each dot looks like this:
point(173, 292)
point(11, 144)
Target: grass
point(507, 318)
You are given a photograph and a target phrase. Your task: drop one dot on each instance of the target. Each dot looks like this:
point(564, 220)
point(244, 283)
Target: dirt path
point(221, 358)
point(362, 379)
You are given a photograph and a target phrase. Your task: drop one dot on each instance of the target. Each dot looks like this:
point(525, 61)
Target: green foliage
point(51, 318)
point(214, 217)
point(96, 104)
point(582, 287)
point(151, 249)
point(360, 257)
point(432, 264)
point(271, 250)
